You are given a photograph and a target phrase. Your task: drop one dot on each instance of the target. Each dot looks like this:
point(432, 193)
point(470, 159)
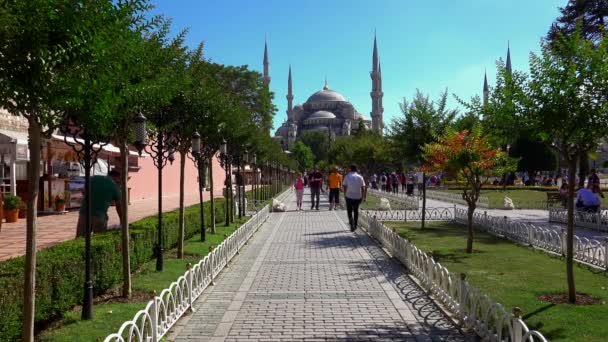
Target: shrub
point(11, 202)
point(59, 269)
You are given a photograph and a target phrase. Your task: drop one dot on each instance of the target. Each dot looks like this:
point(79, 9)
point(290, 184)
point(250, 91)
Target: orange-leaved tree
point(469, 156)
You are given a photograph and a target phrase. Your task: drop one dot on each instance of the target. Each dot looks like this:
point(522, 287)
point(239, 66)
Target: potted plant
point(59, 203)
point(11, 208)
point(22, 210)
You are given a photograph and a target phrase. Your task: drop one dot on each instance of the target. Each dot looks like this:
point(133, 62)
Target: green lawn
point(516, 276)
point(372, 202)
point(109, 317)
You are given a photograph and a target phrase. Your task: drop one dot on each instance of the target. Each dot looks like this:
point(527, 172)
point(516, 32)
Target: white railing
point(474, 309)
point(409, 202)
point(591, 252)
point(596, 221)
point(161, 313)
point(456, 198)
point(432, 214)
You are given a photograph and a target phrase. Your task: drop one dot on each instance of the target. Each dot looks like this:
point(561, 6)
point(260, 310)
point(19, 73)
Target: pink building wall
point(144, 182)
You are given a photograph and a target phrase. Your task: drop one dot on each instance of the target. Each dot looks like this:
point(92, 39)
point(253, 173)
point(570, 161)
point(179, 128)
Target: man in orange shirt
point(334, 183)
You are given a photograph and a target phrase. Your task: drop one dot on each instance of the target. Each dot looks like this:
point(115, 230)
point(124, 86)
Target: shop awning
point(107, 147)
point(14, 136)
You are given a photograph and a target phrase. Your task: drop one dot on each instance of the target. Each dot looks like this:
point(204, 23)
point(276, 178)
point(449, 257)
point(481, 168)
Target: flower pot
point(59, 206)
point(12, 215)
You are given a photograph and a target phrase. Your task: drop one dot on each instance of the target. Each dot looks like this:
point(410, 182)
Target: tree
point(567, 107)
point(43, 41)
point(592, 14)
point(467, 155)
point(318, 141)
point(421, 121)
point(303, 156)
point(534, 155)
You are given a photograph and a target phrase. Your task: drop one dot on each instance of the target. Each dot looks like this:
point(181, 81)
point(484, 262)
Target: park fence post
point(190, 281)
point(606, 254)
point(154, 318)
point(563, 241)
point(517, 331)
point(462, 297)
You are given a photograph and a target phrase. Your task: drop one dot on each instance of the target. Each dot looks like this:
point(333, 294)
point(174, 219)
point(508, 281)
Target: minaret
point(486, 89)
point(266, 74)
point(376, 93)
point(508, 65)
point(289, 96)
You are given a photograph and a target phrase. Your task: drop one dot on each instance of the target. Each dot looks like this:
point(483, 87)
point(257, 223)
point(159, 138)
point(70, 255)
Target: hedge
point(60, 269)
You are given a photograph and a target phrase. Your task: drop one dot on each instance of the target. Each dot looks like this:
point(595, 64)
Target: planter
point(12, 215)
point(59, 206)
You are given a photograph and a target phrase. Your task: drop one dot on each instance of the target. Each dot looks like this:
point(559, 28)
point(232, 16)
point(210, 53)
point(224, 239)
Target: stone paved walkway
point(305, 276)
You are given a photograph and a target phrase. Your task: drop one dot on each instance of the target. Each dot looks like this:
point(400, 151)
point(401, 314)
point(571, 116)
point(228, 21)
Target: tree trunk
point(570, 234)
point(180, 238)
point(470, 230)
point(423, 200)
point(33, 175)
point(211, 195)
point(124, 221)
point(583, 169)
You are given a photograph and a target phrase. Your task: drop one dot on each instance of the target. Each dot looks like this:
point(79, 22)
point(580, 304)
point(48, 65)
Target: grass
point(522, 199)
point(516, 276)
point(372, 202)
point(109, 317)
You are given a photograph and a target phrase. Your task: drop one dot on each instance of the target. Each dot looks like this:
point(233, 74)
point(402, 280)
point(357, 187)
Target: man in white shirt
point(355, 192)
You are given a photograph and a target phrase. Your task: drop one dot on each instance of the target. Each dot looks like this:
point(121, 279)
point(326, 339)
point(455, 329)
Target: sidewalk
point(55, 229)
point(536, 217)
point(305, 277)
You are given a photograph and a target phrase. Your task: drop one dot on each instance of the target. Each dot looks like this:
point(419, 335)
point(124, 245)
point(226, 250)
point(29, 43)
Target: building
point(327, 110)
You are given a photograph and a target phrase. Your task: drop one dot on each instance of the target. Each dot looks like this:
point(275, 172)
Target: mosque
point(327, 110)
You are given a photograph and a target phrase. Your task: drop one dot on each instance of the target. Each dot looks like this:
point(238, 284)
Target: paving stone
point(305, 277)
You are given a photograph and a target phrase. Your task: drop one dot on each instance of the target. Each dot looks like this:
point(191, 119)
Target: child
point(299, 186)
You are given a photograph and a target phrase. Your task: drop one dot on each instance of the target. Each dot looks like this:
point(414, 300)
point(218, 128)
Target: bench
point(553, 198)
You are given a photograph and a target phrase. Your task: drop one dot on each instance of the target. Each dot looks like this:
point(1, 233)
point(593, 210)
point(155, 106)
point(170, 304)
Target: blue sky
point(425, 44)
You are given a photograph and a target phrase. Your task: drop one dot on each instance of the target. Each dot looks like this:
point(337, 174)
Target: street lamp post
point(161, 152)
point(87, 152)
point(199, 161)
point(225, 161)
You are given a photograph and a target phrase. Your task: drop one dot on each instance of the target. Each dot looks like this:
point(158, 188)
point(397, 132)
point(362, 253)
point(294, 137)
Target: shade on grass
point(372, 202)
point(109, 317)
point(515, 275)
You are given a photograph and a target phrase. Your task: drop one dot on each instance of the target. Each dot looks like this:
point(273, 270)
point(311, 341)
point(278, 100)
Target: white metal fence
point(409, 202)
point(161, 313)
point(482, 201)
point(596, 221)
point(474, 309)
point(432, 214)
point(587, 251)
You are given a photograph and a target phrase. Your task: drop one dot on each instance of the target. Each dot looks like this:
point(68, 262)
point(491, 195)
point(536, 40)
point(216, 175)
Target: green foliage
point(566, 95)
point(534, 154)
point(11, 202)
point(592, 13)
point(370, 152)
point(60, 275)
point(497, 268)
point(318, 141)
point(303, 156)
point(421, 122)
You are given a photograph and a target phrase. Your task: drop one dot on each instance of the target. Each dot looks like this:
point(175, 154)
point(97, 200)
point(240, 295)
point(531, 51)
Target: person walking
point(334, 182)
point(394, 183)
point(299, 187)
point(354, 192)
point(315, 181)
point(104, 191)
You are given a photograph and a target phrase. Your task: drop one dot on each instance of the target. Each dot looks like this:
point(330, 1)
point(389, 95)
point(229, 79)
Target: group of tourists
point(393, 181)
point(588, 198)
point(352, 184)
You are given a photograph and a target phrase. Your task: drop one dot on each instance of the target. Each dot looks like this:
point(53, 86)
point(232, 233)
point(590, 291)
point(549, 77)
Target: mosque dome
point(322, 114)
point(326, 95)
point(282, 131)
